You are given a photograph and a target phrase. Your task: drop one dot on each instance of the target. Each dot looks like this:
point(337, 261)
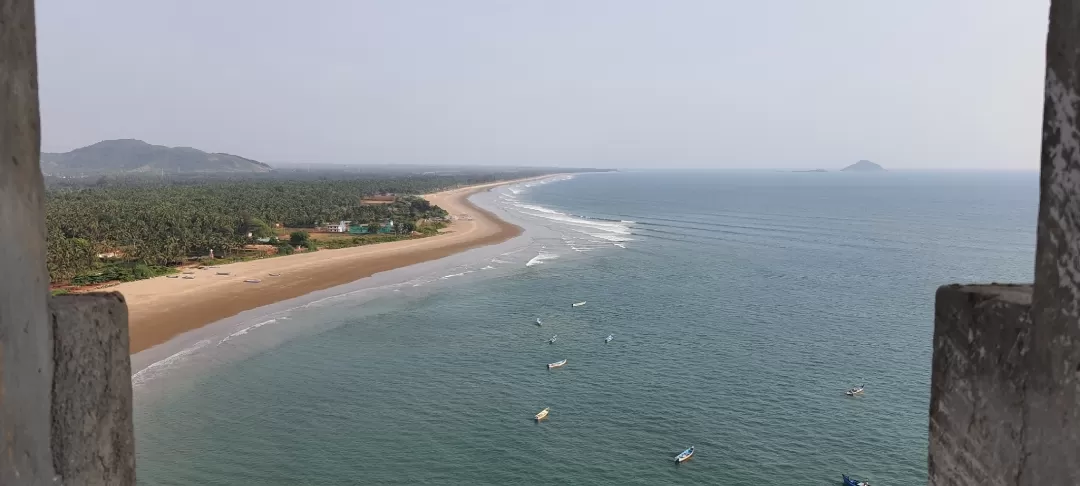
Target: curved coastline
point(161, 309)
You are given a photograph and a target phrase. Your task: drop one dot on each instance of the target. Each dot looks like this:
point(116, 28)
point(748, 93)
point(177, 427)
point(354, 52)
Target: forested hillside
point(120, 156)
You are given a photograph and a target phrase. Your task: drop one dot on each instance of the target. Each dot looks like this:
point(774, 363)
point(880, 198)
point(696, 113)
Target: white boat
point(609, 338)
point(542, 415)
point(684, 455)
point(553, 338)
point(275, 274)
point(855, 390)
point(189, 277)
point(578, 304)
point(556, 364)
point(539, 322)
point(253, 280)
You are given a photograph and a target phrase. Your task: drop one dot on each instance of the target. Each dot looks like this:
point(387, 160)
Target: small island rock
point(864, 166)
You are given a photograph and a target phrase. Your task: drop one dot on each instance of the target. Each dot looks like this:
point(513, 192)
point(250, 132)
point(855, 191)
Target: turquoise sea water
point(742, 305)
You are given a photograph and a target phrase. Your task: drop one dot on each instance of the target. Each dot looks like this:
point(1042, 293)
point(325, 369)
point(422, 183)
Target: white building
point(341, 227)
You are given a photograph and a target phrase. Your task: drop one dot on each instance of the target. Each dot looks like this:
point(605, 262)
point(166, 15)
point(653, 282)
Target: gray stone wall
point(977, 384)
point(1005, 397)
point(65, 373)
point(92, 432)
point(1052, 392)
point(25, 334)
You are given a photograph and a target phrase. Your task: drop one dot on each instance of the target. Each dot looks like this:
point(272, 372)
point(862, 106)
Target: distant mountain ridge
point(129, 155)
point(864, 166)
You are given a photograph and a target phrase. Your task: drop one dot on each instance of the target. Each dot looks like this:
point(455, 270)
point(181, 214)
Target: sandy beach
point(161, 308)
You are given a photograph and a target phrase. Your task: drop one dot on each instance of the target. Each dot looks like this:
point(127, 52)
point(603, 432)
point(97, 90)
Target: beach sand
point(161, 308)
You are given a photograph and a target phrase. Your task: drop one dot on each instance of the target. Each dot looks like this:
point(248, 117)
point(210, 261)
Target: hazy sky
point(620, 83)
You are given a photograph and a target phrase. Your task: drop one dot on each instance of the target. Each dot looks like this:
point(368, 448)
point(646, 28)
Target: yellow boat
point(542, 415)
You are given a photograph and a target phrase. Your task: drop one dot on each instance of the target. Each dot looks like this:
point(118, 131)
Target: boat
point(578, 304)
point(609, 338)
point(853, 482)
point(539, 322)
point(274, 274)
point(253, 280)
point(542, 415)
point(684, 455)
point(223, 273)
point(855, 390)
point(172, 276)
point(553, 338)
point(556, 364)
point(189, 277)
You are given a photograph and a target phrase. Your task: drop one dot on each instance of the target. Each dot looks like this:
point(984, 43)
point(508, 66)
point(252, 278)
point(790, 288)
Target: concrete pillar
point(65, 373)
point(92, 433)
point(1052, 392)
point(1005, 397)
point(977, 384)
point(25, 333)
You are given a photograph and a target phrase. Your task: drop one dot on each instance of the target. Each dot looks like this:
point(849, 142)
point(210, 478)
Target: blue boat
point(852, 482)
point(687, 454)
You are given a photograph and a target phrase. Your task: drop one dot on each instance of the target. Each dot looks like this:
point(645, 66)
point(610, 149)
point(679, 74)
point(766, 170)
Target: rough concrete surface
point(92, 432)
point(1052, 396)
point(25, 341)
point(977, 390)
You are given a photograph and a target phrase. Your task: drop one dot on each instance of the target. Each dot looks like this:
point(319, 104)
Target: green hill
point(112, 156)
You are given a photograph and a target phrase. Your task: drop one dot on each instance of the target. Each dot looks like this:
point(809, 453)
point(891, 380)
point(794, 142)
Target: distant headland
point(864, 166)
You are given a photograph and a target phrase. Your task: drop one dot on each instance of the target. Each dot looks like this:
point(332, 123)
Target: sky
point(918, 84)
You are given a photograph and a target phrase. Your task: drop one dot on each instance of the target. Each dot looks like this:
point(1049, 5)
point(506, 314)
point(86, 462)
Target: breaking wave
point(157, 367)
point(541, 258)
point(247, 329)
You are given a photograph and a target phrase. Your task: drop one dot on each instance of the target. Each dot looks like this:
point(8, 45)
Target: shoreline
point(161, 308)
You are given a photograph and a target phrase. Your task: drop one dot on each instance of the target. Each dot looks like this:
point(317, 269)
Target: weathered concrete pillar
point(65, 373)
point(92, 432)
point(977, 384)
point(25, 333)
point(1005, 398)
point(1052, 392)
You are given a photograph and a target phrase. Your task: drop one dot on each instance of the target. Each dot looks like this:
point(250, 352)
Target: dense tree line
point(157, 222)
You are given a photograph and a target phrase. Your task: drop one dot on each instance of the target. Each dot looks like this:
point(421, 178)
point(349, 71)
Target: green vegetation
point(139, 156)
point(299, 238)
point(123, 272)
point(335, 243)
point(104, 229)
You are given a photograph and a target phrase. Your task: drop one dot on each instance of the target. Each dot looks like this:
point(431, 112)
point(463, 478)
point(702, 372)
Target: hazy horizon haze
point(627, 84)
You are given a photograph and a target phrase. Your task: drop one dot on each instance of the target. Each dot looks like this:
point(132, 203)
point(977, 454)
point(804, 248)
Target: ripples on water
point(743, 305)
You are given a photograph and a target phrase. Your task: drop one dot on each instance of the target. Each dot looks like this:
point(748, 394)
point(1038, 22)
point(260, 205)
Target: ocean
point(742, 305)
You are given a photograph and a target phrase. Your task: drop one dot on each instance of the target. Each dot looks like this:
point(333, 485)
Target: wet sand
point(161, 308)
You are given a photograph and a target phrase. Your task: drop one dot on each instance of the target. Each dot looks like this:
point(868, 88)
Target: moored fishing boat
point(542, 415)
point(856, 390)
point(684, 455)
point(609, 338)
point(556, 364)
point(539, 322)
point(578, 304)
point(853, 482)
point(553, 338)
